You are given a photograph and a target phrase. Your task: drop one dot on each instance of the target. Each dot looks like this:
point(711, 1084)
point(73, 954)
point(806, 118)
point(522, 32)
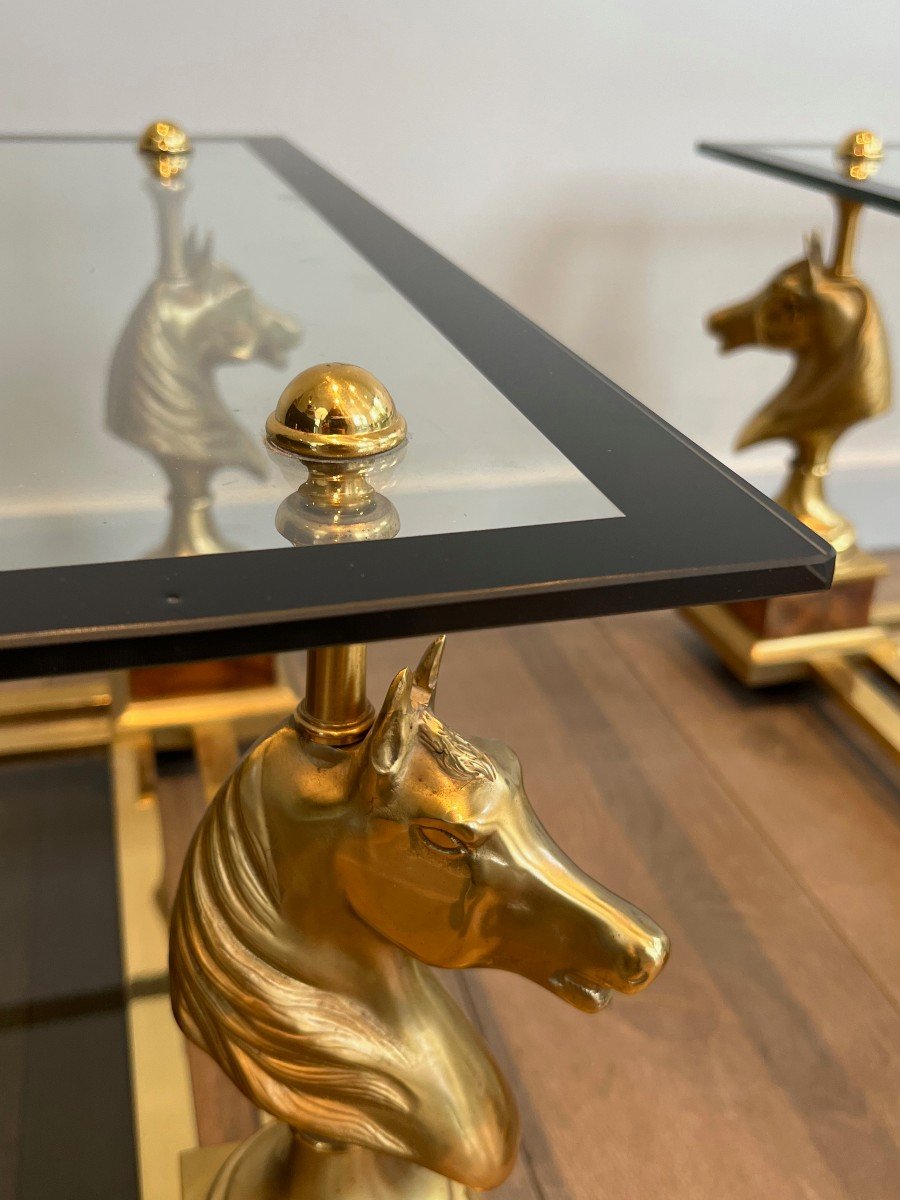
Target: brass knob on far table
point(167, 149)
point(335, 411)
point(860, 154)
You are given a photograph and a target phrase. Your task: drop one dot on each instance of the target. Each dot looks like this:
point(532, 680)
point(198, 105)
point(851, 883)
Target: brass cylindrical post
point(334, 417)
point(335, 709)
point(845, 237)
point(858, 156)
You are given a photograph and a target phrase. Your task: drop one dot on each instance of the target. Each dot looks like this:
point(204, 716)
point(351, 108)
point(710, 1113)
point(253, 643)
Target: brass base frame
point(46, 716)
point(43, 716)
point(849, 663)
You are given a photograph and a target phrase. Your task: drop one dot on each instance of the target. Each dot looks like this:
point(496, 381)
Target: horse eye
point(442, 840)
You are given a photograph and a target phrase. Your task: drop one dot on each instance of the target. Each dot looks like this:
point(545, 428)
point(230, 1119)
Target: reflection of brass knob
point(860, 154)
point(167, 148)
point(335, 411)
point(337, 504)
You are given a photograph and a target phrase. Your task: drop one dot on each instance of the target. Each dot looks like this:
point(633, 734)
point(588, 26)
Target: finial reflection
point(338, 502)
point(340, 423)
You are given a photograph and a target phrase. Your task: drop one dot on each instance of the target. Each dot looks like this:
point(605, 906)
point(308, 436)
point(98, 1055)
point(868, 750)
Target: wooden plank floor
point(765, 838)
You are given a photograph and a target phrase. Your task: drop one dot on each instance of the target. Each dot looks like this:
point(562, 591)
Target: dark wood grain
point(828, 810)
point(764, 1061)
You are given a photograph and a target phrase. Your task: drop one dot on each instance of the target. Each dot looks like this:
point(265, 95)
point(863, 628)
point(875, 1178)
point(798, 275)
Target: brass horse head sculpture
point(197, 315)
point(320, 881)
point(830, 322)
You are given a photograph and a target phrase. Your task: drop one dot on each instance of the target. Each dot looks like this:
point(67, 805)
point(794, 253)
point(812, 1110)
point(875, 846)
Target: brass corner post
point(827, 318)
point(322, 883)
point(319, 888)
point(333, 417)
point(824, 316)
point(858, 156)
point(167, 148)
point(848, 212)
point(336, 709)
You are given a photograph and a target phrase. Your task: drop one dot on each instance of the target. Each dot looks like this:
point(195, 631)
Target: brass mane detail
point(457, 756)
point(318, 1052)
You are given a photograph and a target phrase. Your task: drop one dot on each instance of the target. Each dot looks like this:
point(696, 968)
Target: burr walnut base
point(846, 606)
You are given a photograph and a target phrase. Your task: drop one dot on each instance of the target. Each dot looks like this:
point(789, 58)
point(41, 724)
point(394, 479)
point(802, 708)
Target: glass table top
point(147, 330)
point(141, 387)
point(815, 166)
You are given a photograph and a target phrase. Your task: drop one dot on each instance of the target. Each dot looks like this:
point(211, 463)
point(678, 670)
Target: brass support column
point(845, 237)
point(859, 156)
point(829, 321)
point(336, 419)
point(336, 709)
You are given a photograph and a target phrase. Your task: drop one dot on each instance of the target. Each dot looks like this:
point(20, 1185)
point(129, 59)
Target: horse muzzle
point(590, 988)
point(567, 932)
point(734, 326)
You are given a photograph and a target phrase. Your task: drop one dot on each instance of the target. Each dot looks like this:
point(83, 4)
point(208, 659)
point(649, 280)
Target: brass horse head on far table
point(320, 881)
point(830, 322)
point(196, 316)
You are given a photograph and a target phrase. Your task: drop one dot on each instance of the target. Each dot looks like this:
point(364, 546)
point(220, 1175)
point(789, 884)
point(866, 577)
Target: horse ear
point(814, 257)
point(392, 731)
point(425, 676)
point(197, 255)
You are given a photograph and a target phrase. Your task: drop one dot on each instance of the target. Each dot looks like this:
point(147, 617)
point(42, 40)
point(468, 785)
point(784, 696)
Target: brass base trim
point(162, 1099)
point(332, 734)
point(865, 703)
point(859, 565)
point(760, 662)
point(837, 660)
point(256, 1168)
point(49, 716)
point(200, 1166)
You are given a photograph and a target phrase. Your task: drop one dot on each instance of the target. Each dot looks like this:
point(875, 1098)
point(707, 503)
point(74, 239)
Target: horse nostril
point(648, 962)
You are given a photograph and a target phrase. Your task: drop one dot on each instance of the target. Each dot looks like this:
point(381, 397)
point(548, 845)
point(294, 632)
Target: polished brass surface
point(335, 709)
point(831, 324)
point(828, 320)
point(865, 702)
point(199, 1168)
point(337, 503)
point(216, 750)
point(859, 667)
point(335, 411)
point(166, 149)
point(162, 1100)
point(762, 661)
point(848, 214)
point(162, 398)
point(165, 137)
point(320, 881)
point(859, 154)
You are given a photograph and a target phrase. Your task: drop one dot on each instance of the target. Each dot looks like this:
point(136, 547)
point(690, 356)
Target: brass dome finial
point(860, 154)
point(335, 411)
point(167, 148)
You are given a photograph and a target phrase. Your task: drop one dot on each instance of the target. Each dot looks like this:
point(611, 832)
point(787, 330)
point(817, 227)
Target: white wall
point(546, 145)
